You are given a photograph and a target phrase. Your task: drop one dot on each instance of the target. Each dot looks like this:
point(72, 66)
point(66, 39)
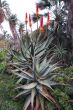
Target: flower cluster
point(29, 19)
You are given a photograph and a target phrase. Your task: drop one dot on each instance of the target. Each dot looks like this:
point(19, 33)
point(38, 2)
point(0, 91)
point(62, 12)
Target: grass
point(7, 84)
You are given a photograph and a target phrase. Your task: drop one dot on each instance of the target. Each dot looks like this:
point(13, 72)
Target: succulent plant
point(35, 72)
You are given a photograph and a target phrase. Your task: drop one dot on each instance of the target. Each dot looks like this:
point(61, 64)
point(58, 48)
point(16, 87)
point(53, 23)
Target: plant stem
point(0, 4)
point(37, 22)
point(26, 28)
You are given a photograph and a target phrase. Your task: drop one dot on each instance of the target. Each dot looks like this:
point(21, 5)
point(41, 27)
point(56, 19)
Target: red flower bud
point(26, 18)
point(37, 9)
point(41, 24)
point(30, 21)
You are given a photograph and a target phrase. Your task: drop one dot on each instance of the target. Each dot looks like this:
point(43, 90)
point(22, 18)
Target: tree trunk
point(69, 6)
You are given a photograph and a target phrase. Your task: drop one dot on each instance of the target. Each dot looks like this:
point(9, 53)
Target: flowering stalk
point(36, 9)
point(26, 20)
point(37, 13)
point(41, 24)
point(30, 22)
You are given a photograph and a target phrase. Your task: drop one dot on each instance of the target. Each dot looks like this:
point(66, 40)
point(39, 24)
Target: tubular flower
point(48, 19)
point(30, 21)
point(36, 9)
point(26, 18)
point(41, 24)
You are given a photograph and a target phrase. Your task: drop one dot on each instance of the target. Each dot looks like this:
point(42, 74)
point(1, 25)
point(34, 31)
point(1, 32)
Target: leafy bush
point(2, 60)
point(7, 83)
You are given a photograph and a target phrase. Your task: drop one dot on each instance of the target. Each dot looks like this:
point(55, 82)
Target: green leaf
point(42, 102)
point(45, 83)
point(27, 86)
point(21, 78)
point(49, 98)
point(32, 49)
point(33, 93)
point(23, 71)
point(22, 93)
point(48, 69)
point(18, 56)
point(27, 103)
point(21, 75)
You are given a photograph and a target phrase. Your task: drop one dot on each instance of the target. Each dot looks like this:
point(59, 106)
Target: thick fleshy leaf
point(18, 56)
point(42, 102)
point(27, 103)
point(23, 71)
point(45, 83)
point(39, 46)
point(43, 63)
point(49, 41)
point(32, 49)
point(49, 98)
point(37, 67)
point(39, 87)
point(39, 54)
point(45, 66)
point(38, 37)
point(33, 93)
point(48, 69)
point(50, 59)
point(22, 75)
point(19, 80)
point(43, 46)
point(25, 48)
point(41, 49)
point(27, 86)
point(26, 54)
point(26, 92)
point(50, 76)
point(23, 54)
point(37, 104)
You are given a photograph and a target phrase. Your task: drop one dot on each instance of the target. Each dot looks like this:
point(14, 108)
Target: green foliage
point(60, 53)
point(2, 60)
point(50, 106)
point(63, 98)
point(66, 77)
point(7, 105)
point(7, 83)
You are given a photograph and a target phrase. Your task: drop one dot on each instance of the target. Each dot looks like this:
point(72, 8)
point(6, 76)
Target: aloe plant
point(36, 71)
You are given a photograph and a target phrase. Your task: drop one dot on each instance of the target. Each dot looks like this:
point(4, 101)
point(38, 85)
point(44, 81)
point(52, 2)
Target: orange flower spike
point(48, 19)
point(30, 21)
point(26, 18)
point(36, 9)
point(41, 24)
